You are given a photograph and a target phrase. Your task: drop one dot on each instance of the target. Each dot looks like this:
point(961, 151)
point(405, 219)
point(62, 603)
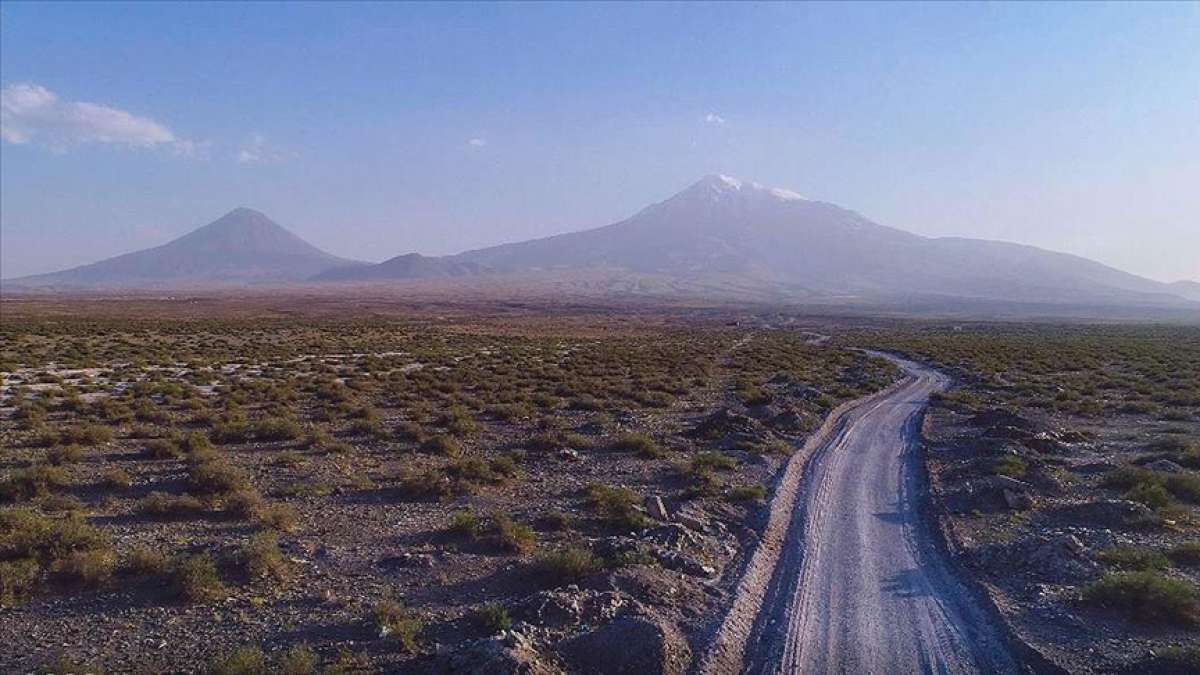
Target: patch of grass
point(1146, 596)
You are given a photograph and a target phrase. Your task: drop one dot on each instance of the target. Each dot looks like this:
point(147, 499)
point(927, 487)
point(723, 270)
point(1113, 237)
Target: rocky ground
point(1080, 517)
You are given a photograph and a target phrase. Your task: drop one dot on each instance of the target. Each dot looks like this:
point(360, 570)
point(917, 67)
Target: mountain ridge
point(719, 236)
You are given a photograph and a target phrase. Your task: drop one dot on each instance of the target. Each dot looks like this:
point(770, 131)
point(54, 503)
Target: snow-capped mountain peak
point(719, 185)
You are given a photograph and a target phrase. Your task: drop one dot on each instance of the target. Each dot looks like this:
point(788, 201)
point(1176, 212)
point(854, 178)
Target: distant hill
point(1187, 289)
point(722, 232)
point(408, 266)
point(243, 246)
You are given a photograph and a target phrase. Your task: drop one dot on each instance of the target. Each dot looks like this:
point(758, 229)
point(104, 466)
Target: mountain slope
point(723, 231)
point(243, 246)
point(1187, 289)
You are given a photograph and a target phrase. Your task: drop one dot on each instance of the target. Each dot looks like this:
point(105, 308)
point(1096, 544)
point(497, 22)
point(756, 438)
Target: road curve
point(860, 585)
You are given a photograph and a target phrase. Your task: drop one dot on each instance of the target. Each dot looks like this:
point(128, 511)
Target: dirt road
point(859, 585)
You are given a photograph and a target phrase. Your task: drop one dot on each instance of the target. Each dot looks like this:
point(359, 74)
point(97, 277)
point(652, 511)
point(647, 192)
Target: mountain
point(722, 232)
point(243, 246)
point(1187, 289)
point(408, 266)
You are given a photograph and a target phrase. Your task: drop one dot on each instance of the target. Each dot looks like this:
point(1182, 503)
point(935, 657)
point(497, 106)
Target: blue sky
point(377, 129)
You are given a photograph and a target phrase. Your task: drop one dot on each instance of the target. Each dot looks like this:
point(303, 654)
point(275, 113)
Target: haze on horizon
point(375, 130)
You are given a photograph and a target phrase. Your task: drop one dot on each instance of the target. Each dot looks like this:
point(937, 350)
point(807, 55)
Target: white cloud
point(258, 150)
point(477, 142)
point(30, 113)
point(714, 118)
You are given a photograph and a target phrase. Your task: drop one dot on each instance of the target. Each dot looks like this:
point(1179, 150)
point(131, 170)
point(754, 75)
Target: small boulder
point(1164, 465)
point(632, 644)
point(656, 508)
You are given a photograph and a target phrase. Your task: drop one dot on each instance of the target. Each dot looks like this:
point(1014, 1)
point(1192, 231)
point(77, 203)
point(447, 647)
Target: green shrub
point(1133, 558)
point(18, 580)
point(1151, 494)
point(569, 563)
point(1146, 596)
point(216, 476)
point(32, 482)
point(245, 660)
point(161, 504)
point(1011, 466)
point(493, 617)
point(706, 462)
point(276, 429)
point(148, 561)
point(298, 660)
point(397, 622)
point(263, 559)
point(278, 517)
point(464, 523)
point(512, 535)
point(619, 506)
point(116, 479)
point(748, 493)
point(196, 579)
point(641, 444)
point(1186, 554)
point(64, 454)
point(442, 445)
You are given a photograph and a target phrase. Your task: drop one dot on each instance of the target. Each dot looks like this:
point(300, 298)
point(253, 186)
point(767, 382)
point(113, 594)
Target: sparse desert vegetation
point(1067, 459)
point(381, 493)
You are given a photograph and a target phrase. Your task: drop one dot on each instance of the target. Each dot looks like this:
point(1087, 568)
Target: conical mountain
point(243, 246)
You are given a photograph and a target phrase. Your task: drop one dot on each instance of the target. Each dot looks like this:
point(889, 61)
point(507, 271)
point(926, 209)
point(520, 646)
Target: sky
point(373, 130)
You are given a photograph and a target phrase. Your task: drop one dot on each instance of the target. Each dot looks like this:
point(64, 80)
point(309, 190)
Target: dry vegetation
point(353, 494)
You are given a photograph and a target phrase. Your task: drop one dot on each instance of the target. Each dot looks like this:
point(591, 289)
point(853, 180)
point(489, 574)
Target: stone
point(627, 645)
point(656, 509)
point(1164, 465)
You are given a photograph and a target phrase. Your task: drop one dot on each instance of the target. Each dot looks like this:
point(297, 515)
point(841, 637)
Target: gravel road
point(860, 586)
